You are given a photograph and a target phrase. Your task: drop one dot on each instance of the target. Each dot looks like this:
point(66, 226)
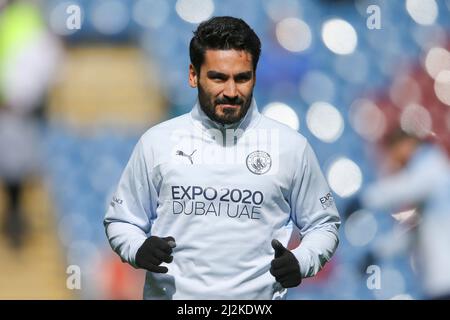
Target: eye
point(217, 78)
point(242, 78)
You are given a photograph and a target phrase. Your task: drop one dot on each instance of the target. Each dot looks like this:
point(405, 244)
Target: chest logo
point(259, 162)
point(189, 156)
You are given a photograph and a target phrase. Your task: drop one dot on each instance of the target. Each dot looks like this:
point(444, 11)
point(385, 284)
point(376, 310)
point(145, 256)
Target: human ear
point(193, 77)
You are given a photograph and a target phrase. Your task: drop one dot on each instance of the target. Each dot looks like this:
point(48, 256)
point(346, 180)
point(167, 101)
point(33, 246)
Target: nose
point(230, 90)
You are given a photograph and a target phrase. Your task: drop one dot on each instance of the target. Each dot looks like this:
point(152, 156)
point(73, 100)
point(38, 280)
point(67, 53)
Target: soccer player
point(208, 200)
point(419, 178)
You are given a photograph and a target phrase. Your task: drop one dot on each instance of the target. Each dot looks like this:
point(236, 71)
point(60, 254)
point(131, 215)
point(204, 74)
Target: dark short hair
point(396, 135)
point(223, 33)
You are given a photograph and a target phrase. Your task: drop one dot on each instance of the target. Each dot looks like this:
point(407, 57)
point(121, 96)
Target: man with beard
point(208, 200)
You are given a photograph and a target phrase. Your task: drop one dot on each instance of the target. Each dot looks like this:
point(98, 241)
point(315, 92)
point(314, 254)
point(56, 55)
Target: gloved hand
point(285, 267)
point(153, 252)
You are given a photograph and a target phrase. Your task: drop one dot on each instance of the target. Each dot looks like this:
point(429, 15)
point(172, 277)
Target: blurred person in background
point(28, 57)
point(418, 177)
point(171, 214)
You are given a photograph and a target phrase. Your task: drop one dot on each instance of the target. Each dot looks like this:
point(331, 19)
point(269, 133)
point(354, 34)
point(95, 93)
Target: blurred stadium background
point(74, 102)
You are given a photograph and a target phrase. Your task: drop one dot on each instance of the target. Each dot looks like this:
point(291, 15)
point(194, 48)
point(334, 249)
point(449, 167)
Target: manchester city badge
point(259, 162)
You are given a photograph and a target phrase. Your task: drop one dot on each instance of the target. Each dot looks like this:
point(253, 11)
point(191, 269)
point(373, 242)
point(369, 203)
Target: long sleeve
point(128, 219)
point(314, 212)
point(411, 185)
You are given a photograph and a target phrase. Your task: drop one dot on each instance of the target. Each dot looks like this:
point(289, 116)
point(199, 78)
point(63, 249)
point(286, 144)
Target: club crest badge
point(259, 162)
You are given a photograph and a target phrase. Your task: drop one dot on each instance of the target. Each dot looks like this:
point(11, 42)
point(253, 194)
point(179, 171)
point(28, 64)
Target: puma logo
point(181, 153)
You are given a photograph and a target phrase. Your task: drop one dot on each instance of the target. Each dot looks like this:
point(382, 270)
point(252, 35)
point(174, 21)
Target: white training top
point(223, 192)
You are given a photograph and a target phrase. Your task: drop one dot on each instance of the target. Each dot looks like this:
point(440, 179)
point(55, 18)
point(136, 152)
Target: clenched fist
point(153, 252)
point(285, 267)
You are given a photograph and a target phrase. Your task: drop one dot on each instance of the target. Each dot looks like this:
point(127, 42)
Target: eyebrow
point(216, 74)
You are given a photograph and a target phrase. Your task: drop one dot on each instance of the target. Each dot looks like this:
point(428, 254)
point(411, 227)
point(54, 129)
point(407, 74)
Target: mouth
point(229, 106)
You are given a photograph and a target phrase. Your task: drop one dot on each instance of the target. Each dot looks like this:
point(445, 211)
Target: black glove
point(153, 252)
point(285, 267)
